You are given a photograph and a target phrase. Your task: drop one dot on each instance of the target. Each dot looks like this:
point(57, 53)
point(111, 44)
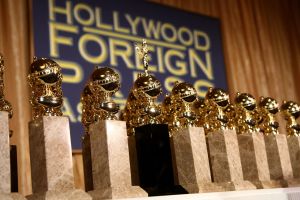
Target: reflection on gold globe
point(147, 86)
point(245, 100)
point(106, 78)
point(269, 104)
point(218, 95)
point(185, 91)
point(46, 70)
point(45, 81)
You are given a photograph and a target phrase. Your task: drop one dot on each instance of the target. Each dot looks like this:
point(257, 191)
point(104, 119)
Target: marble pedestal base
point(294, 151)
point(11, 196)
point(279, 159)
point(5, 179)
point(51, 160)
point(224, 156)
point(118, 193)
point(87, 162)
point(50, 154)
point(254, 160)
point(190, 161)
point(74, 194)
point(110, 161)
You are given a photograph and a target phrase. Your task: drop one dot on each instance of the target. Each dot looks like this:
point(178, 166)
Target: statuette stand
point(279, 159)
point(87, 162)
point(5, 174)
point(110, 161)
point(294, 151)
point(254, 160)
point(225, 160)
point(51, 160)
point(190, 161)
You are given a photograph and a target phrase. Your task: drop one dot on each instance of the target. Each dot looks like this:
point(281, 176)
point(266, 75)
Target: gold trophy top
point(141, 108)
point(178, 107)
point(217, 101)
point(246, 113)
point(104, 83)
point(45, 80)
point(268, 107)
point(201, 112)
point(291, 111)
point(87, 117)
point(4, 104)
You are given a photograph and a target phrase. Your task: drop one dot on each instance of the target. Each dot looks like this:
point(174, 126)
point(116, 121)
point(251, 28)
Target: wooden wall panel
point(261, 42)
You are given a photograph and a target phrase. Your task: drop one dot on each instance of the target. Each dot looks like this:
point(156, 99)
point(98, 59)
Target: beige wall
point(261, 40)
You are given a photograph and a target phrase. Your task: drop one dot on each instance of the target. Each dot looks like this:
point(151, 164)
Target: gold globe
point(245, 100)
point(147, 86)
point(106, 78)
point(46, 70)
point(45, 81)
point(291, 108)
point(219, 96)
point(269, 104)
point(185, 91)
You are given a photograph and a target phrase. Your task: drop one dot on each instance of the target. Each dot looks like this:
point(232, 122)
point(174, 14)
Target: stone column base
point(11, 196)
point(118, 192)
point(268, 184)
point(293, 182)
point(238, 185)
point(75, 194)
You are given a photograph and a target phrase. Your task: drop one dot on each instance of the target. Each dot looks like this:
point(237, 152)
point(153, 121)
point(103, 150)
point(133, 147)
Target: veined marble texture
point(110, 161)
point(225, 160)
point(254, 160)
point(190, 161)
point(50, 154)
point(5, 182)
point(294, 151)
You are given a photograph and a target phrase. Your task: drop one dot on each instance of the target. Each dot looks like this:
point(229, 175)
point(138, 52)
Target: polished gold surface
point(104, 83)
point(86, 100)
point(291, 111)
point(217, 101)
point(141, 107)
point(267, 108)
point(246, 113)
point(201, 110)
point(96, 98)
point(178, 107)
point(45, 80)
point(4, 104)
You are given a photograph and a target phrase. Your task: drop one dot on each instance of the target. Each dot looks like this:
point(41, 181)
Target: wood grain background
point(261, 42)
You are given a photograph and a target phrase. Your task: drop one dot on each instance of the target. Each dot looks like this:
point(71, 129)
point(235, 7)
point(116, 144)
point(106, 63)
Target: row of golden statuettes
point(181, 108)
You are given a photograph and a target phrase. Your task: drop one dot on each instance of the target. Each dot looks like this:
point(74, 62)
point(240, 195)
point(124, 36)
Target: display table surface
point(260, 194)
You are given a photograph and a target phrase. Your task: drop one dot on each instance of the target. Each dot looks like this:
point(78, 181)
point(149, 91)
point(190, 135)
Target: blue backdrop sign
point(80, 34)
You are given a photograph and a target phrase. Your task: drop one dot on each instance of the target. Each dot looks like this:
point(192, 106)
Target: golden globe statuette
point(148, 137)
point(87, 118)
point(184, 112)
point(5, 158)
point(291, 111)
point(217, 101)
point(268, 107)
point(179, 110)
point(105, 143)
point(45, 82)
point(49, 136)
point(4, 104)
point(141, 107)
point(104, 83)
point(251, 140)
point(246, 113)
point(201, 112)
point(222, 142)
